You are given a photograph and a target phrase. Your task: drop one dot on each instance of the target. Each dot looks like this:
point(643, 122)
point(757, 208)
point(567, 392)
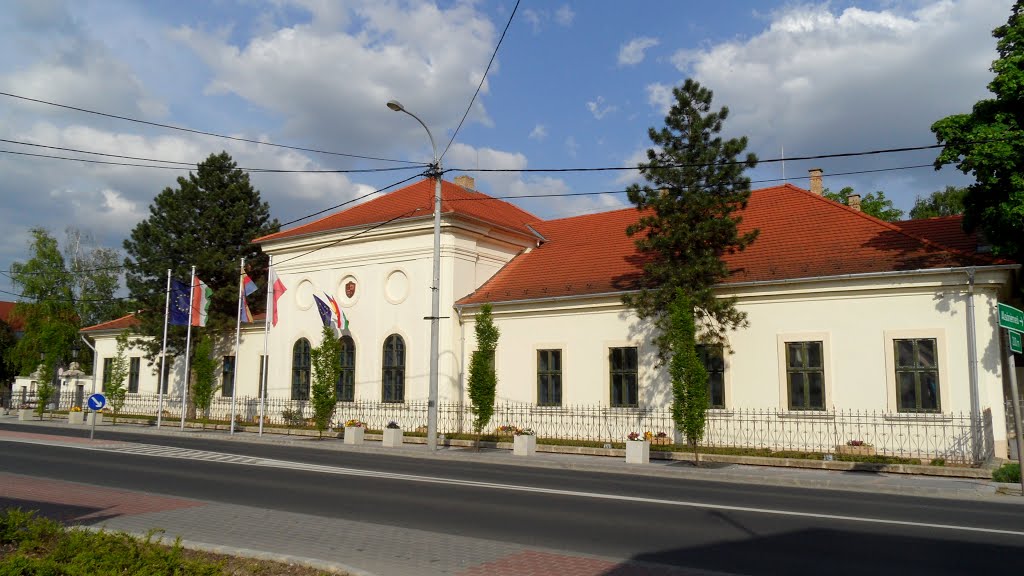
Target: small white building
point(859, 329)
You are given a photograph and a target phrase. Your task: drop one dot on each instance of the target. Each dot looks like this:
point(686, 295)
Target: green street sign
point(1015, 342)
point(1010, 317)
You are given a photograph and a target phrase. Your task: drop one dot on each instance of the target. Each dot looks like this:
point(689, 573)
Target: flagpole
point(188, 345)
point(266, 332)
point(238, 331)
point(163, 355)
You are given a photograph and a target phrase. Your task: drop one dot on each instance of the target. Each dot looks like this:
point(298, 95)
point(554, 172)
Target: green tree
point(95, 273)
point(689, 377)
point(115, 390)
point(209, 220)
point(45, 390)
point(948, 202)
point(483, 382)
point(988, 144)
point(874, 204)
point(326, 360)
point(47, 311)
point(204, 366)
point(8, 371)
point(688, 215)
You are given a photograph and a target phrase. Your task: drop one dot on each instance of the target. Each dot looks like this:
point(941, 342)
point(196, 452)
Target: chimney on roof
point(815, 174)
point(853, 201)
point(466, 182)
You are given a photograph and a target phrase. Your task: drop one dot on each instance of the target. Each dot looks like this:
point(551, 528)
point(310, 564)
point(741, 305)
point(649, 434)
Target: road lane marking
point(191, 454)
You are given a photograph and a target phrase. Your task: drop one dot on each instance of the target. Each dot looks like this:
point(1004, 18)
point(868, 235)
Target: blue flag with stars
point(324, 310)
point(180, 296)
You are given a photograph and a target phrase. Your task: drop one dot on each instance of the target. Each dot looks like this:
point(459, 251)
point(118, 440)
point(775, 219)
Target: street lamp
point(435, 295)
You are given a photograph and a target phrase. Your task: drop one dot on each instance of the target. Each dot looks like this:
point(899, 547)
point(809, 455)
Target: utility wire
point(186, 166)
point(482, 78)
point(204, 133)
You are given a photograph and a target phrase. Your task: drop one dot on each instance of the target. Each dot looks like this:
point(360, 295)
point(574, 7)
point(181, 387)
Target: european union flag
point(179, 303)
point(325, 311)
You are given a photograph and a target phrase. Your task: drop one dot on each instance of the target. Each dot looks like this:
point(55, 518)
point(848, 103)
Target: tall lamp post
point(435, 295)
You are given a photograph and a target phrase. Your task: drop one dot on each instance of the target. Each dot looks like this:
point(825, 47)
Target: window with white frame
point(917, 374)
point(805, 375)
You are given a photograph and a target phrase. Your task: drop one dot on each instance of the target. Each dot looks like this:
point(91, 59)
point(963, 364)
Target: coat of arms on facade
point(350, 289)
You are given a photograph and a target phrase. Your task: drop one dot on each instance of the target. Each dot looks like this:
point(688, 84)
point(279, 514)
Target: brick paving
point(535, 563)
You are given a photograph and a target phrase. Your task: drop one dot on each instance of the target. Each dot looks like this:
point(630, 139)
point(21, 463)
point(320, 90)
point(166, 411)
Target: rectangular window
point(713, 357)
point(227, 385)
point(623, 365)
point(917, 375)
point(108, 367)
point(133, 375)
point(263, 367)
point(166, 379)
point(805, 375)
point(549, 377)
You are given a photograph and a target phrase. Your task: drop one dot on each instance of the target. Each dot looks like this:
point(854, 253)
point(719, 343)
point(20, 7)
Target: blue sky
point(575, 84)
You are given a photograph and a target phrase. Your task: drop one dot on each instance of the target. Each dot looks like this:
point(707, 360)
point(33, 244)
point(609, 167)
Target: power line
point(204, 133)
point(482, 78)
point(187, 165)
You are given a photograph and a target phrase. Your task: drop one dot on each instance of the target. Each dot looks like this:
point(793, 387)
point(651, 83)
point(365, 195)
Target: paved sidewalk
point(367, 549)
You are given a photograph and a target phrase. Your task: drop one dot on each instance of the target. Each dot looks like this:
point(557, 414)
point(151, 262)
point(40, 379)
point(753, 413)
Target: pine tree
point(209, 220)
point(326, 360)
point(688, 219)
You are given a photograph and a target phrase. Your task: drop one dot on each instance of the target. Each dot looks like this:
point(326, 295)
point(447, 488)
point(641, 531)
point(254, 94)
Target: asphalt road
point(711, 525)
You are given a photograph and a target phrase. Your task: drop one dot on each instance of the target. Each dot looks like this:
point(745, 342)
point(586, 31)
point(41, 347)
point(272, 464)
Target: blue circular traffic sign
point(97, 401)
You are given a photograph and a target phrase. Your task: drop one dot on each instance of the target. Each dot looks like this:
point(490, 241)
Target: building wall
point(856, 320)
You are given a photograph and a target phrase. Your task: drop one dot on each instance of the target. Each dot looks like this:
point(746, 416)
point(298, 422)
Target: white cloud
point(564, 15)
point(660, 96)
point(821, 81)
point(598, 109)
point(627, 177)
point(571, 147)
point(539, 132)
point(534, 18)
point(632, 52)
point(428, 58)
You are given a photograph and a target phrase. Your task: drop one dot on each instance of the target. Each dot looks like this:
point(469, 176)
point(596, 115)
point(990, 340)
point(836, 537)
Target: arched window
point(346, 388)
point(393, 376)
point(300, 370)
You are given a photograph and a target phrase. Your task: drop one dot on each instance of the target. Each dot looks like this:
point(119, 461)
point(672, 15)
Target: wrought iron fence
point(955, 438)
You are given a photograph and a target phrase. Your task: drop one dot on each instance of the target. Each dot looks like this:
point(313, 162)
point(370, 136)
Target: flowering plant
point(525, 432)
point(856, 443)
point(23, 406)
point(76, 408)
point(661, 435)
point(393, 425)
point(506, 429)
point(648, 435)
point(354, 423)
point(633, 436)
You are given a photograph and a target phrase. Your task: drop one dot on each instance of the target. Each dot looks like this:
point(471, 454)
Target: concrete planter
point(638, 452)
point(862, 450)
point(524, 445)
point(354, 434)
point(25, 414)
point(76, 417)
point(392, 437)
point(97, 416)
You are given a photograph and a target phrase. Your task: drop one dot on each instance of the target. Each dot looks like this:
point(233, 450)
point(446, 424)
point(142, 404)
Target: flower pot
point(25, 414)
point(524, 445)
point(638, 452)
point(392, 437)
point(862, 450)
point(76, 417)
point(97, 416)
point(661, 441)
point(354, 434)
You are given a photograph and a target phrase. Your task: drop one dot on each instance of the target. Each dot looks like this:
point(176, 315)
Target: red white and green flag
point(201, 296)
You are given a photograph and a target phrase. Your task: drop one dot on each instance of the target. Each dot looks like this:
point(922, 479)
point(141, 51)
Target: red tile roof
point(417, 201)
point(945, 230)
point(802, 235)
point(6, 309)
point(126, 321)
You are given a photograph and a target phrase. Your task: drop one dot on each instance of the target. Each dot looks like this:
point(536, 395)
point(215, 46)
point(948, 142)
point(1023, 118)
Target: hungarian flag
point(279, 291)
point(201, 296)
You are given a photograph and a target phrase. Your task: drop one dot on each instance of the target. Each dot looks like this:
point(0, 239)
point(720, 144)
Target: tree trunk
point(696, 454)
